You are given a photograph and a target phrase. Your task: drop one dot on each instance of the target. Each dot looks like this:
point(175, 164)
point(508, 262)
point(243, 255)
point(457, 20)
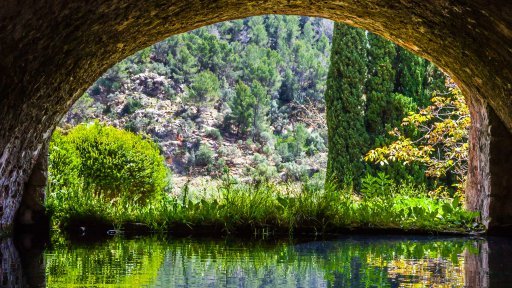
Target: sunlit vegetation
point(105, 162)
point(241, 105)
point(237, 92)
point(265, 209)
point(372, 85)
point(346, 262)
point(442, 144)
point(81, 194)
point(345, 107)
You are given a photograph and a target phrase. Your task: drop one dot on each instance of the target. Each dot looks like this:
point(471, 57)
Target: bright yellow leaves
point(439, 140)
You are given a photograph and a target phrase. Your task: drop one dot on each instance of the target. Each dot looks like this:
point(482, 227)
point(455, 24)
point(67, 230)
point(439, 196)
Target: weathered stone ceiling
point(63, 46)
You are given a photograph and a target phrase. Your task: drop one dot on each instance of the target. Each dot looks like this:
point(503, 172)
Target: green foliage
point(261, 170)
point(214, 134)
point(434, 80)
point(396, 83)
point(182, 64)
point(296, 172)
point(289, 87)
point(241, 109)
point(131, 106)
point(376, 186)
point(234, 208)
point(204, 156)
point(257, 30)
point(260, 109)
point(249, 109)
point(384, 262)
point(410, 74)
point(416, 77)
point(209, 65)
point(442, 146)
point(293, 145)
point(205, 88)
point(262, 48)
point(347, 137)
point(379, 87)
point(261, 64)
point(315, 143)
point(298, 142)
point(107, 162)
point(283, 150)
point(111, 81)
point(101, 173)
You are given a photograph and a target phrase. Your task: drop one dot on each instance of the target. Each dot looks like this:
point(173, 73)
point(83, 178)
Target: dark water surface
point(352, 261)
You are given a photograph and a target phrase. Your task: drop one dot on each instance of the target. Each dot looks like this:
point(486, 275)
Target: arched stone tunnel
point(51, 51)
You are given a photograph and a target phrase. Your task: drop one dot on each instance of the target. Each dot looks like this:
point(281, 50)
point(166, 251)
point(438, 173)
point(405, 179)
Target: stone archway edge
point(51, 51)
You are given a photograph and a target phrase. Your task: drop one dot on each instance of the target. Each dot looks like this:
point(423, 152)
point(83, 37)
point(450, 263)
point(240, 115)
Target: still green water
point(344, 262)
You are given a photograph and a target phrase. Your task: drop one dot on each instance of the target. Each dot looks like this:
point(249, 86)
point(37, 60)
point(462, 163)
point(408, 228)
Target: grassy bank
point(103, 178)
point(266, 208)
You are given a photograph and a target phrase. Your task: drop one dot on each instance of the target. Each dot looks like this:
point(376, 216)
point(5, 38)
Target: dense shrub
point(214, 134)
point(315, 143)
point(315, 182)
point(131, 126)
point(131, 106)
point(296, 172)
point(204, 156)
point(262, 170)
point(106, 161)
point(205, 88)
point(292, 145)
point(284, 153)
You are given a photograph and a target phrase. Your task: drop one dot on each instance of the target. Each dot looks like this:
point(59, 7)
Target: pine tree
point(261, 64)
point(347, 139)
point(257, 32)
point(205, 88)
point(242, 112)
point(261, 104)
point(289, 87)
point(182, 65)
point(308, 32)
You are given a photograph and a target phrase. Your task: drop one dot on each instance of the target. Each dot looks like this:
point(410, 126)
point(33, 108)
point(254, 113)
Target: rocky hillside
point(244, 96)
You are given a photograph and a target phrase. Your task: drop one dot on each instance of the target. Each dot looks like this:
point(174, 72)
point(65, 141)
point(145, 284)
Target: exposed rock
point(151, 84)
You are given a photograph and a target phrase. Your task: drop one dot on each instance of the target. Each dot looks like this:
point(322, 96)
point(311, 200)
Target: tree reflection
point(346, 262)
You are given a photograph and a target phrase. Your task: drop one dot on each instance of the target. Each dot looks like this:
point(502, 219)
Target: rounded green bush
point(107, 161)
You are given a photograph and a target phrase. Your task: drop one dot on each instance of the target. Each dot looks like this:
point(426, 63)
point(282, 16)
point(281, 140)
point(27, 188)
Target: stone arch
point(51, 51)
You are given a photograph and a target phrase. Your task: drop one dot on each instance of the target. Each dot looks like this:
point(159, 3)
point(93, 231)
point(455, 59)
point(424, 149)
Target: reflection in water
point(12, 272)
point(345, 262)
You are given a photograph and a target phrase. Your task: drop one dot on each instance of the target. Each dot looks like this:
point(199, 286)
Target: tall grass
point(267, 208)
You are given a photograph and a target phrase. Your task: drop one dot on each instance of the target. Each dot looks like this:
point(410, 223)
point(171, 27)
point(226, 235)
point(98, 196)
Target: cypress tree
point(416, 77)
point(379, 89)
point(434, 80)
point(410, 72)
point(344, 106)
point(385, 109)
